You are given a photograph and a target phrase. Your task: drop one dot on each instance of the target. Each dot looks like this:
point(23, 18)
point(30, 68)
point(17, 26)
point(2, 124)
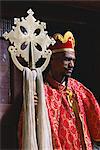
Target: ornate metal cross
point(30, 41)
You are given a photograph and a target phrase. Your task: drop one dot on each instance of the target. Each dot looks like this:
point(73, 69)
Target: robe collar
point(55, 84)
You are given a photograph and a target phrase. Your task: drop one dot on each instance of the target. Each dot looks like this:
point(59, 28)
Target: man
point(73, 111)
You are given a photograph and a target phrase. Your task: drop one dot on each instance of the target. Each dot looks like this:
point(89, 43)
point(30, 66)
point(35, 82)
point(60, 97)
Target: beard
point(65, 78)
point(68, 72)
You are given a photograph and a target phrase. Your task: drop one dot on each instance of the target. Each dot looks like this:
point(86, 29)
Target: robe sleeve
point(92, 110)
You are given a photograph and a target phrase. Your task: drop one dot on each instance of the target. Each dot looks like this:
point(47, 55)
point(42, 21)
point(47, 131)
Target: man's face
point(62, 64)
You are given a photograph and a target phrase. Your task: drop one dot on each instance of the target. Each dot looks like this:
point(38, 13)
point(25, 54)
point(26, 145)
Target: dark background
point(82, 18)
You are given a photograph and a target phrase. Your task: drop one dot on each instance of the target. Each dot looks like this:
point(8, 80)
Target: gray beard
point(65, 78)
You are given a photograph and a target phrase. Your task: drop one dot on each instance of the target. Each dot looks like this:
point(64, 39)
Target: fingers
point(35, 102)
point(35, 98)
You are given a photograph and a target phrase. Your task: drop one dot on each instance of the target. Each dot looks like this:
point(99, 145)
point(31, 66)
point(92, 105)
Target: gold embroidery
point(96, 140)
point(69, 96)
point(74, 105)
point(64, 38)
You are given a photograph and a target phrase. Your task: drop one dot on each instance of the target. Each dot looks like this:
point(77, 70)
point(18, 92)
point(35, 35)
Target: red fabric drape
point(67, 128)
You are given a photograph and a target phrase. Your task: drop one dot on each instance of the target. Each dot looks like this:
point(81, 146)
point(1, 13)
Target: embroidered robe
point(72, 129)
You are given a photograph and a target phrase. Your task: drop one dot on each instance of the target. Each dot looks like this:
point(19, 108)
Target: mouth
point(69, 70)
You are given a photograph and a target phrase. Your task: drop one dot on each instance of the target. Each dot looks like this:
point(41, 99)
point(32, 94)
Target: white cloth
point(29, 141)
point(43, 141)
point(43, 127)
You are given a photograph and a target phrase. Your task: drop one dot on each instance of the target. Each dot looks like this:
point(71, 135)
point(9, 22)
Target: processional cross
point(30, 41)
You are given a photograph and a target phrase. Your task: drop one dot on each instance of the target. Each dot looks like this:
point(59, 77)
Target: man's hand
point(35, 99)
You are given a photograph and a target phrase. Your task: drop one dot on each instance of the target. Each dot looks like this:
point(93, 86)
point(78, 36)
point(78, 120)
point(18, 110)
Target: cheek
point(66, 63)
point(61, 67)
point(58, 67)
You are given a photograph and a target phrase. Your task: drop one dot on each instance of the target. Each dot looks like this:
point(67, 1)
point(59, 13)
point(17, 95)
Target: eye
point(66, 59)
point(74, 60)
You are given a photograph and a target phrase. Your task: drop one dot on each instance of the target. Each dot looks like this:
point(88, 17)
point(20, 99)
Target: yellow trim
point(69, 96)
point(63, 50)
point(96, 140)
point(64, 38)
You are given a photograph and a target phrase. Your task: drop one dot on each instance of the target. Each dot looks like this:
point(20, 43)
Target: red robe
point(71, 130)
point(68, 131)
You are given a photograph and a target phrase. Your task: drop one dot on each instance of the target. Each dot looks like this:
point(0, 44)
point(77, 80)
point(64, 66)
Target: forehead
point(69, 54)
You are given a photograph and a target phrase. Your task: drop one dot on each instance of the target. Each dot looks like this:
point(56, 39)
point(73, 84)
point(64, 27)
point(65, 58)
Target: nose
point(71, 63)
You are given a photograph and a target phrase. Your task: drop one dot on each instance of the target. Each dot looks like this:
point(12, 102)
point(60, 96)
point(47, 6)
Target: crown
point(63, 43)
